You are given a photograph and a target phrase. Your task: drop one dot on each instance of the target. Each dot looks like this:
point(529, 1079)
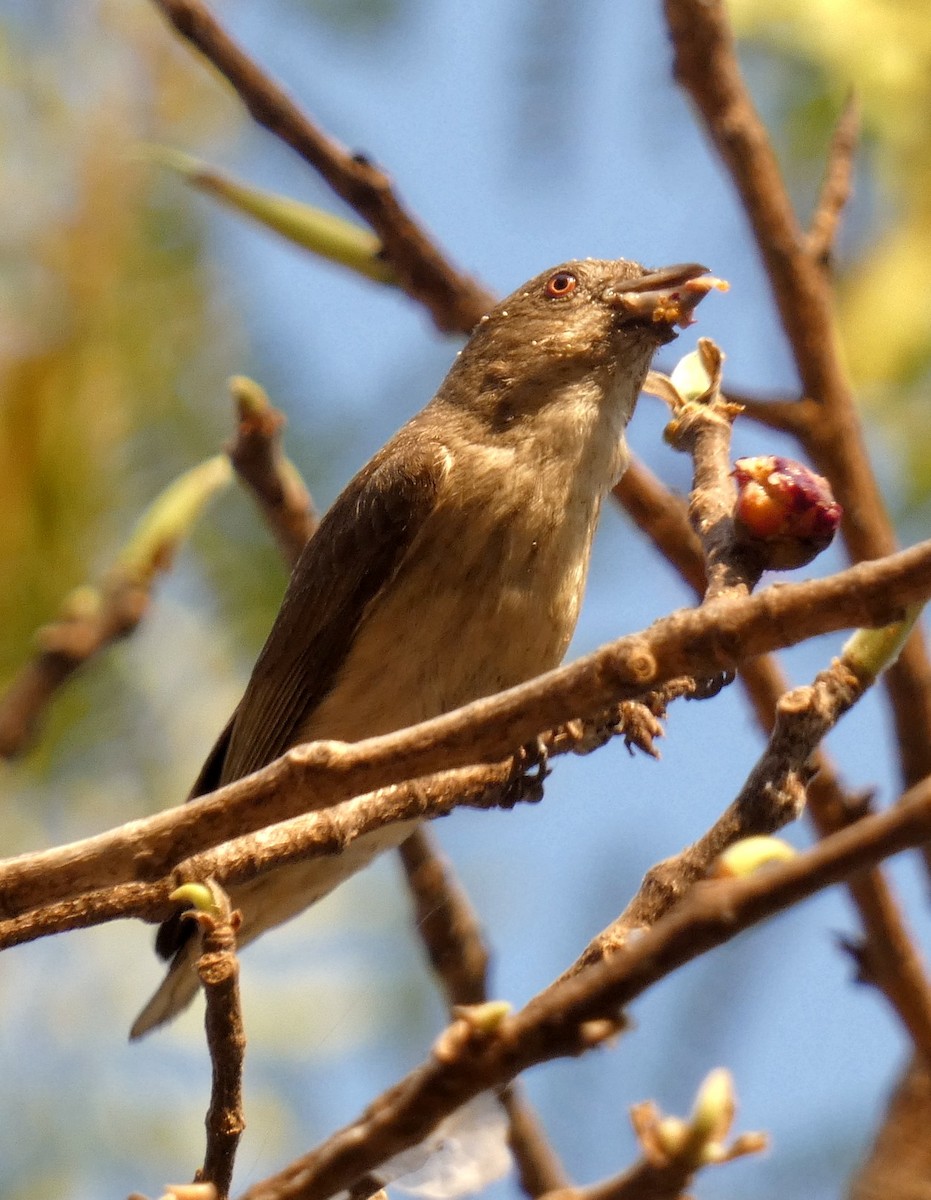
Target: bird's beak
point(664, 298)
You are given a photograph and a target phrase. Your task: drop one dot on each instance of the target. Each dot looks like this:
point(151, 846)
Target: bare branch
point(261, 465)
point(773, 795)
point(698, 642)
point(219, 972)
point(452, 936)
point(93, 618)
point(894, 962)
point(454, 301)
point(706, 66)
point(899, 1163)
point(575, 1015)
point(837, 184)
point(788, 415)
point(446, 921)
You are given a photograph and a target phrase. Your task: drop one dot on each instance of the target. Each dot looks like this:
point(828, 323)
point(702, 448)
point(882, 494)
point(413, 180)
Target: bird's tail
point(174, 994)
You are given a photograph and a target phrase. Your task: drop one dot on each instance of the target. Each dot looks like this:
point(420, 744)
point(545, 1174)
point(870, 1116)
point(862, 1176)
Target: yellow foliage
point(882, 48)
point(104, 297)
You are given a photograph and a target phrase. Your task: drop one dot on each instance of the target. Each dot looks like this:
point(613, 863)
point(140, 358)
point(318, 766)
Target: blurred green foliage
point(113, 338)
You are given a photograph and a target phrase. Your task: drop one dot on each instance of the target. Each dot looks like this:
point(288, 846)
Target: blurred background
point(522, 135)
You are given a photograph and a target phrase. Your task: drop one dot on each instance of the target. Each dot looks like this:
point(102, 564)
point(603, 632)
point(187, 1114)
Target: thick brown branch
point(455, 301)
point(699, 642)
point(706, 66)
point(313, 835)
point(574, 1015)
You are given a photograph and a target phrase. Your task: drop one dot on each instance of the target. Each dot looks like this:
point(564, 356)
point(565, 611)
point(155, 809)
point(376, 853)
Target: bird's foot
point(529, 769)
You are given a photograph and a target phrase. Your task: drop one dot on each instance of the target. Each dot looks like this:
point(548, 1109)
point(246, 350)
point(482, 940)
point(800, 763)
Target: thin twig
point(218, 968)
point(78, 633)
point(578, 1014)
point(788, 415)
point(452, 936)
point(702, 426)
point(455, 302)
point(93, 618)
point(698, 642)
point(446, 921)
point(837, 184)
point(645, 1180)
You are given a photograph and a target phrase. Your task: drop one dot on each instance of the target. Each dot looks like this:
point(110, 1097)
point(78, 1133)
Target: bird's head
point(592, 318)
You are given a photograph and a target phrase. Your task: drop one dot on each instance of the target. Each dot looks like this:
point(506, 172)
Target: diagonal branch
point(698, 642)
point(452, 937)
point(93, 618)
point(575, 1015)
point(837, 185)
point(261, 466)
point(455, 301)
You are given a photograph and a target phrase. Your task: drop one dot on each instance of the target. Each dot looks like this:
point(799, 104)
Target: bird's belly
point(440, 638)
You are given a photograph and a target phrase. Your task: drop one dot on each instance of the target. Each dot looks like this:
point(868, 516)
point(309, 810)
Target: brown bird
point(453, 565)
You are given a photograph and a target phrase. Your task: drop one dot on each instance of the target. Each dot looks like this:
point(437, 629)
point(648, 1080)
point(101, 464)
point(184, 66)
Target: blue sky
point(522, 136)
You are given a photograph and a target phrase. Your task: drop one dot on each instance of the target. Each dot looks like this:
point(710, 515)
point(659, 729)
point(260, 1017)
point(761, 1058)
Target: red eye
point(561, 284)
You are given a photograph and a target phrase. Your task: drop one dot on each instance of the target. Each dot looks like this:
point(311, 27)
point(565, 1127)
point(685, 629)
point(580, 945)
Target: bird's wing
point(355, 552)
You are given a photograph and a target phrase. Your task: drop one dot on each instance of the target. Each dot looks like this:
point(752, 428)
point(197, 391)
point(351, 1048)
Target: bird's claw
point(529, 769)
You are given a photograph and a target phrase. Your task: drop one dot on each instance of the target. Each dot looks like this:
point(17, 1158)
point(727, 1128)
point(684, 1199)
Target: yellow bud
point(195, 895)
point(749, 854)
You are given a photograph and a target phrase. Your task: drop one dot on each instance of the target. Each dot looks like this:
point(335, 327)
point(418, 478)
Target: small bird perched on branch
point(453, 565)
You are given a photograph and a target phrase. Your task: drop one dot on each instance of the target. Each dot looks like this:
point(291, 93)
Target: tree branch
point(706, 66)
point(219, 972)
point(261, 466)
point(698, 642)
point(453, 300)
point(575, 1015)
point(837, 185)
point(93, 618)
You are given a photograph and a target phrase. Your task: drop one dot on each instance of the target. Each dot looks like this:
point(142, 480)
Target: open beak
point(664, 298)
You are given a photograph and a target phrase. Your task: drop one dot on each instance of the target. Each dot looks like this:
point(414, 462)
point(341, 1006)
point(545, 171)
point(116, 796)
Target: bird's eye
point(563, 283)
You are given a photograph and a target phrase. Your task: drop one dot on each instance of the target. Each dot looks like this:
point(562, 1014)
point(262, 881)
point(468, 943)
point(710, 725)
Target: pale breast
point(487, 597)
